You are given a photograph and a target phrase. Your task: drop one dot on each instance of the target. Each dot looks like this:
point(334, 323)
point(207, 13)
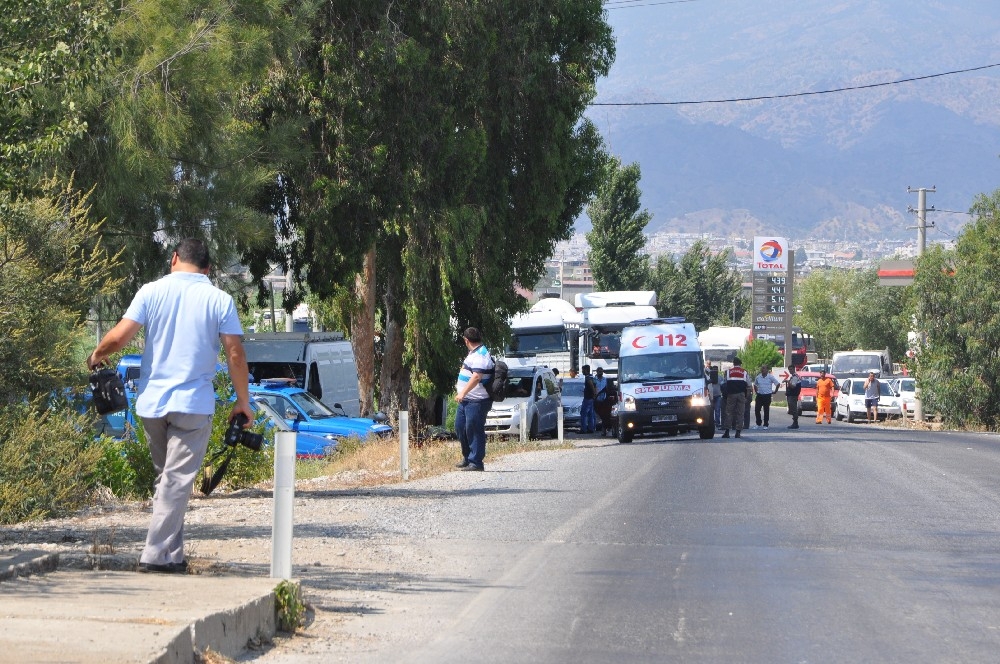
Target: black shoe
point(726, 434)
point(167, 568)
point(473, 467)
point(462, 464)
point(737, 433)
point(793, 426)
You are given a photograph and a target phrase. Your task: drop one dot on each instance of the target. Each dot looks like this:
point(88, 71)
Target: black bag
point(497, 386)
point(108, 390)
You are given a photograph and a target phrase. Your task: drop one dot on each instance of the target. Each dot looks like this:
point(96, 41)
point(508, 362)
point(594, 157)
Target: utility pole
point(918, 410)
point(921, 216)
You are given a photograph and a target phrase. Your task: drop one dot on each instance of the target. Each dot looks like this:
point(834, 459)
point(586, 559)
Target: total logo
point(770, 251)
point(771, 254)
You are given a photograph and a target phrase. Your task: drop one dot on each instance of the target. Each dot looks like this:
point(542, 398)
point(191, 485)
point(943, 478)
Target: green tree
point(820, 299)
point(877, 317)
point(958, 312)
point(702, 287)
point(617, 239)
point(50, 52)
point(759, 352)
point(52, 264)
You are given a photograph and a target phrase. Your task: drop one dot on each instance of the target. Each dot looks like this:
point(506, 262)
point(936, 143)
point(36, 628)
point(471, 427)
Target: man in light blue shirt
point(185, 318)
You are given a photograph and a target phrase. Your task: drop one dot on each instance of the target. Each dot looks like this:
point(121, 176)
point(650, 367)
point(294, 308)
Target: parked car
point(815, 367)
point(537, 387)
point(807, 397)
point(307, 445)
point(906, 389)
point(305, 413)
point(572, 401)
point(851, 401)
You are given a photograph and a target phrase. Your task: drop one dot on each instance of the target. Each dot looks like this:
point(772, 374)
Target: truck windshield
point(660, 367)
point(721, 354)
point(539, 340)
point(856, 363)
point(605, 344)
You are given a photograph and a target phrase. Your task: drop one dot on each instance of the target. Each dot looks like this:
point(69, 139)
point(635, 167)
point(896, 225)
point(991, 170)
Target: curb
point(16, 564)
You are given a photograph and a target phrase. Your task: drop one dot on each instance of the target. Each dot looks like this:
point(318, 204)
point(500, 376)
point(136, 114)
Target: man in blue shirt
point(185, 318)
point(474, 401)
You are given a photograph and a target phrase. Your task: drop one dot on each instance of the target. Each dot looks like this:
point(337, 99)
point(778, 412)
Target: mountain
point(831, 165)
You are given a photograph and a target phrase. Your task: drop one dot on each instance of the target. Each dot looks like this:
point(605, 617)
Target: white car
point(906, 388)
point(535, 386)
point(851, 400)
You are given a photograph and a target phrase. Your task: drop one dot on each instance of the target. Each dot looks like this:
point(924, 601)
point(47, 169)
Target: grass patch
point(377, 462)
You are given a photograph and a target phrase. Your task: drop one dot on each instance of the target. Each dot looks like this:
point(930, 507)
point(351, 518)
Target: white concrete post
point(524, 422)
point(284, 500)
point(560, 425)
point(404, 444)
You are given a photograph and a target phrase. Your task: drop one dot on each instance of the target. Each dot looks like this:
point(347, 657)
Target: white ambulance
point(661, 380)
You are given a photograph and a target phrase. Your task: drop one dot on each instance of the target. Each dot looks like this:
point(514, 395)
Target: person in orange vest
point(736, 389)
point(825, 386)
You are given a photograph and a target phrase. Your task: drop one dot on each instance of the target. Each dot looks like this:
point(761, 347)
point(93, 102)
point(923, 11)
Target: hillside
point(829, 165)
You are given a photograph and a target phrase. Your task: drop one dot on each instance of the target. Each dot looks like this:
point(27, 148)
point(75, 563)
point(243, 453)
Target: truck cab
point(661, 380)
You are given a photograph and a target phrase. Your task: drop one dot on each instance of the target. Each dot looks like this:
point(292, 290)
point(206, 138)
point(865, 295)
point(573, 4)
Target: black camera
point(237, 435)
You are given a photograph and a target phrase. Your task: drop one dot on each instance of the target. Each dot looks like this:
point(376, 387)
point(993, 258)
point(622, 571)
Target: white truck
point(851, 363)
point(322, 363)
point(546, 335)
point(721, 343)
point(661, 381)
point(603, 317)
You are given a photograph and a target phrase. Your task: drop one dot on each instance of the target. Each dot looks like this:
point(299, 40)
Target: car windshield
point(312, 406)
point(808, 382)
point(721, 354)
point(661, 367)
point(908, 385)
point(572, 388)
point(884, 389)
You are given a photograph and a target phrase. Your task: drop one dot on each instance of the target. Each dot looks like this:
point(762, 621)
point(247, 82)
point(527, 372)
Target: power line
point(626, 4)
point(795, 94)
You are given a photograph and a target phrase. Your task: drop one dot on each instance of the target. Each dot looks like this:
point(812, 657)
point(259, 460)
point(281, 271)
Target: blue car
point(306, 414)
point(307, 445)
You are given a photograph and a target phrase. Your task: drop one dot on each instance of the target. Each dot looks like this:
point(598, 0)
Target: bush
point(126, 466)
point(48, 461)
point(758, 352)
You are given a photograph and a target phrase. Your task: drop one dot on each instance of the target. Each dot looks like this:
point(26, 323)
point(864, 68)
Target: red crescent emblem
point(635, 343)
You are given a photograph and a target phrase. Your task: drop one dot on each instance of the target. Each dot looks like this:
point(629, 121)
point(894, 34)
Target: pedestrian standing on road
point(716, 392)
point(764, 385)
point(871, 397)
point(474, 401)
point(737, 389)
point(824, 396)
point(602, 402)
point(185, 317)
point(588, 418)
point(793, 385)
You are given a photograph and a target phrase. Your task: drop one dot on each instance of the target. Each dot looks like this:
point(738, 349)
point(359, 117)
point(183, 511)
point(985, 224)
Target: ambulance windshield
point(660, 367)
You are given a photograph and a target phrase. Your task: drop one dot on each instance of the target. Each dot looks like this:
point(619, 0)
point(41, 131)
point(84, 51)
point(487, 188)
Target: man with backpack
point(474, 401)
point(793, 385)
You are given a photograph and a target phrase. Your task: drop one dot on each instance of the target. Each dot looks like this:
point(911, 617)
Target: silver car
point(572, 401)
point(535, 386)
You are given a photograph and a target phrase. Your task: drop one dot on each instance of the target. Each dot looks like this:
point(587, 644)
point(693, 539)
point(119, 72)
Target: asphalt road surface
point(833, 543)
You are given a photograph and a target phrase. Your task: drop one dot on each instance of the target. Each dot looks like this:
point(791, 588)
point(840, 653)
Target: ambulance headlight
point(628, 403)
point(699, 401)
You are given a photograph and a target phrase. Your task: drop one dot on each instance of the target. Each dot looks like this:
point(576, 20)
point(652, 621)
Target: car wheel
point(850, 416)
point(624, 435)
point(838, 415)
point(533, 431)
point(707, 433)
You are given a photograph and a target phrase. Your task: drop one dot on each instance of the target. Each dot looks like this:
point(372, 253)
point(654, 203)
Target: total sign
point(770, 254)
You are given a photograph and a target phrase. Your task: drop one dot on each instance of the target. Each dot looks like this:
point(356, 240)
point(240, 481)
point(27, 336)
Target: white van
point(661, 380)
point(321, 363)
point(850, 363)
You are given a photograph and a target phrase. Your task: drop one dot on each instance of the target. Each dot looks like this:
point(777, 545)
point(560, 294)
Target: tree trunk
point(363, 332)
point(395, 383)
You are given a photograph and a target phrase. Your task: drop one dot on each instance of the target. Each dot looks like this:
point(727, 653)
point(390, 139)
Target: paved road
point(834, 543)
